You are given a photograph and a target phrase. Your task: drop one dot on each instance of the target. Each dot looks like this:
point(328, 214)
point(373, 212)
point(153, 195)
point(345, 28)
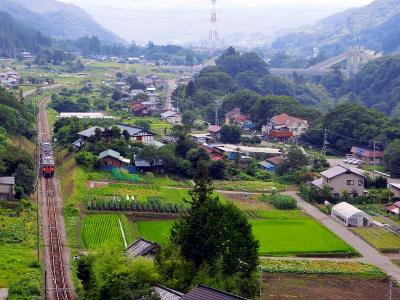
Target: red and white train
point(47, 160)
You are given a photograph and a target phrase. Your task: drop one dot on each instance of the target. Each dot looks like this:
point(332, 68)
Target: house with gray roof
point(342, 179)
point(111, 158)
point(172, 117)
point(7, 192)
point(137, 134)
point(203, 292)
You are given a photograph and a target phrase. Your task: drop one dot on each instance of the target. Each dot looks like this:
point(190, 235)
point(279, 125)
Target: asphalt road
point(370, 254)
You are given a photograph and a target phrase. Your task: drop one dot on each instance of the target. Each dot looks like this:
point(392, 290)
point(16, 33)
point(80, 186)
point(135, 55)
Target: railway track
point(58, 284)
point(60, 287)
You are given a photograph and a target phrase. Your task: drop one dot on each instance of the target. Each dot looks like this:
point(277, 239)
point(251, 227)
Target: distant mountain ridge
point(56, 19)
point(376, 26)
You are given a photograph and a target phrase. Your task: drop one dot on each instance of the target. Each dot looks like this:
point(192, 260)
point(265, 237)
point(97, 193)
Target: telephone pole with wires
point(326, 143)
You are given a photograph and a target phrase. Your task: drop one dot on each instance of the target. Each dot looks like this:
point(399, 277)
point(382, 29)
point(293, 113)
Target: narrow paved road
point(370, 254)
point(170, 91)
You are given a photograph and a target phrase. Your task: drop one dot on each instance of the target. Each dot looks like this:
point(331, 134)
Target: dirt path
point(370, 254)
point(45, 133)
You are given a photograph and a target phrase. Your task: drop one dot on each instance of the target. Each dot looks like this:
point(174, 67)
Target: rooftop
point(167, 293)
point(168, 114)
point(233, 112)
point(347, 210)
point(285, 119)
point(140, 247)
point(366, 152)
point(7, 180)
point(339, 170)
point(203, 292)
point(90, 131)
point(114, 154)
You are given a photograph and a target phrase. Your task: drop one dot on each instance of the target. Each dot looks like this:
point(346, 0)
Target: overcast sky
point(187, 21)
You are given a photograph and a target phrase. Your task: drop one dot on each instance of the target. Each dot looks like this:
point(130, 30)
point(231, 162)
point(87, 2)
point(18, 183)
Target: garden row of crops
point(124, 205)
point(380, 238)
point(319, 267)
point(102, 231)
point(248, 186)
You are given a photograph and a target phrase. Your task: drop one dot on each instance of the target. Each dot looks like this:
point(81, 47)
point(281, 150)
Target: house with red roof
point(285, 127)
point(235, 117)
point(139, 109)
point(214, 131)
point(368, 156)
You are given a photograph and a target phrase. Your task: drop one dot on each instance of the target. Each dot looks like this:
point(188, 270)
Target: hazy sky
point(187, 21)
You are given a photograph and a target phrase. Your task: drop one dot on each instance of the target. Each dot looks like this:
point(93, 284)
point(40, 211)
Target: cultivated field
point(280, 233)
point(380, 238)
point(102, 231)
point(248, 186)
point(328, 287)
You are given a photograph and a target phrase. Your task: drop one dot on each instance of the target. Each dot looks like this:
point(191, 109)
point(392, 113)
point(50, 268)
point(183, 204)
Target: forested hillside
point(244, 81)
point(16, 37)
point(377, 85)
point(376, 26)
point(16, 122)
point(57, 19)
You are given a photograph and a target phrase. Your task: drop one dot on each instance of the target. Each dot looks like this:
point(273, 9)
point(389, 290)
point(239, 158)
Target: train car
point(47, 160)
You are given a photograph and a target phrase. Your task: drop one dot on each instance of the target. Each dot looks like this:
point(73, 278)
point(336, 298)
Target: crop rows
point(102, 231)
point(380, 238)
point(129, 205)
point(319, 267)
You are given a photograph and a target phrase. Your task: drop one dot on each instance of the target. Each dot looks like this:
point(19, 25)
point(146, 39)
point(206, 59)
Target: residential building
point(139, 109)
point(138, 134)
point(172, 117)
point(143, 165)
point(200, 138)
point(235, 117)
point(342, 179)
point(368, 156)
point(111, 158)
point(350, 216)
point(394, 209)
point(270, 164)
point(9, 79)
point(214, 132)
point(166, 293)
point(395, 189)
point(7, 192)
point(284, 127)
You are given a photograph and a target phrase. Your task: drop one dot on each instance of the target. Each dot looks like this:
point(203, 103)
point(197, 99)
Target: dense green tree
point(392, 158)
point(294, 160)
point(230, 134)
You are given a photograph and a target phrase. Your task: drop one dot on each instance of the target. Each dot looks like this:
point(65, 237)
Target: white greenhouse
point(350, 216)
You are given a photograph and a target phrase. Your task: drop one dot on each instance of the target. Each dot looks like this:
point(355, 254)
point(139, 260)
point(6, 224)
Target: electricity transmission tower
point(213, 35)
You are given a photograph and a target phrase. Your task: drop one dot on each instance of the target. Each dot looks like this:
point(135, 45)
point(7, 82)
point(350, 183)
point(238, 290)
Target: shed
point(350, 215)
point(267, 166)
point(141, 247)
point(7, 188)
point(166, 293)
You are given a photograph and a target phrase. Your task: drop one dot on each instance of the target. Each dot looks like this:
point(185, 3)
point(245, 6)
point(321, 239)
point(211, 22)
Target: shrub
point(282, 202)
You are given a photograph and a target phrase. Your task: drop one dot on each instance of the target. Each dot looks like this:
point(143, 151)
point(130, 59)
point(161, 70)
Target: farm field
point(248, 186)
point(157, 231)
point(280, 233)
point(105, 231)
point(320, 267)
point(328, 287)
point(380, 238)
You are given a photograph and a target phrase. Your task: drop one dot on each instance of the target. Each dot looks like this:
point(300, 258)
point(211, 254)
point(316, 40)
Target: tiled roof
point(214, 128)
point(168, 114)
point(167, 293)
point(233, 112)
point(280, 134)
point(275, 160)
point(90, 131)
point(113, 154)
point(366, 152)
point(285, 119)
point(203, 292)
point(338, 170)
point(135, 106)
point(141, 247)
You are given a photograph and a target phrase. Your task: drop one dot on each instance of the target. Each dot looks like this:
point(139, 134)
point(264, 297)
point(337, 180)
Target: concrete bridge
point(355, 58)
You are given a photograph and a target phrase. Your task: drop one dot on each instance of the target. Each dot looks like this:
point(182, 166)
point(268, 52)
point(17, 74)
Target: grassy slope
point(18, 260)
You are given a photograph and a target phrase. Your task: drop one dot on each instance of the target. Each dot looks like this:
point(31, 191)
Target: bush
point(282, 202)
point(85, 159)
point(26, 288)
